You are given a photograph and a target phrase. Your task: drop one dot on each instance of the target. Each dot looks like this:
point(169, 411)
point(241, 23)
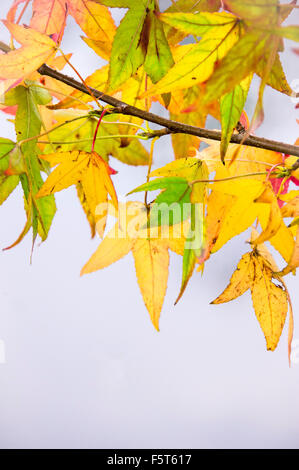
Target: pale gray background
point(85, 368)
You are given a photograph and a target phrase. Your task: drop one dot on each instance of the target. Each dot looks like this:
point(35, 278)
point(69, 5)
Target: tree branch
point(169, 126)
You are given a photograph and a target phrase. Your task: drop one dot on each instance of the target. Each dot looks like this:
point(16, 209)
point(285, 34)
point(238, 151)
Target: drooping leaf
point(269, 302)
point(240, 281)
point(48, 16)
point(277, 78)
point(198, 63)
point(96, 22)
point(158, 55)
point(150, 255)
point(130, 44)
point(87, 168)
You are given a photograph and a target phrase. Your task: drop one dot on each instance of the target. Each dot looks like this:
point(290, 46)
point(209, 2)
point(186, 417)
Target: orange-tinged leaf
point(276, 78)
point(104, 172)
point(48, 16)
point(184, 144)
point(242, 215)
point(269, 302)
point(238, 63)
point(69, 171)
point(262, 250)
point(97, 23)
point(93, 174)
point(11, 15)
point(240, 281)
point(18, 64)
point(241, 211)
point(218, 205)
point(115, 246)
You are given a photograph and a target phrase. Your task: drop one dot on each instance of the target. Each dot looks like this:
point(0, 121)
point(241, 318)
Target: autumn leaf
point(231, 107)
point(91, 171)
point(238, 63)
point(276, 78)
point(19, 64)
point(48, 17)
point(196, 59)
point(197, 65)
point(186, 106)
point(259, 12)
point(140, 39)
point(96, 22)
point(255, 272)
point(294, 259)
point(150, 255)
point(129, 46)
point(241, 280)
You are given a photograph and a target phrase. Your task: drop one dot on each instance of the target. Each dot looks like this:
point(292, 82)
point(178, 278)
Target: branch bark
point(169, 126)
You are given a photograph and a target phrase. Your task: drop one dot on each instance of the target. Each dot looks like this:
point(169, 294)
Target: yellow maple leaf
point(269, 301)
point(240, 281)
point(255, 271)
point(91, 171)
point(150, 250)
point(275, 218)
point(197, 63)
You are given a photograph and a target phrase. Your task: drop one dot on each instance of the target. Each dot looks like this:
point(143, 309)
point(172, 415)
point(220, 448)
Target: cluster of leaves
point(196, 59)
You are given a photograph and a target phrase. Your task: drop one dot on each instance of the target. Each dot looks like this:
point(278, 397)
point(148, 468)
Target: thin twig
point(170, 127)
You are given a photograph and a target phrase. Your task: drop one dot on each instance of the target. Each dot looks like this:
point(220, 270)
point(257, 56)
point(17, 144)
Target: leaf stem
point(150, 162)
point(53, 129)
point(97, 128)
